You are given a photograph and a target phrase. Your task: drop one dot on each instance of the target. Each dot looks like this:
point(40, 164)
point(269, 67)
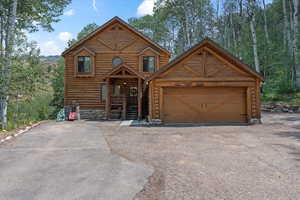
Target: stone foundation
point(92, 114)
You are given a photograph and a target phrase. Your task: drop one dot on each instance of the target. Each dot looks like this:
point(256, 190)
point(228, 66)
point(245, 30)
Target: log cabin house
point(116, 72)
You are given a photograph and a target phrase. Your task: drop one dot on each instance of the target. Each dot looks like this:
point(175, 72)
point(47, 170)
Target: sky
point(82, 12)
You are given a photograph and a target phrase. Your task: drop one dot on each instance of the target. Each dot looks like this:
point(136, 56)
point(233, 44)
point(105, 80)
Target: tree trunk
point(266, 24)
point(233, 35)
point(295, 41)
point(286, 29)
point(254, 39)
point(239, 29)
point(9, 45)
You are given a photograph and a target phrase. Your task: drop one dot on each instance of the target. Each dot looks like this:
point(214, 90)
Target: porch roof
point(126, 72)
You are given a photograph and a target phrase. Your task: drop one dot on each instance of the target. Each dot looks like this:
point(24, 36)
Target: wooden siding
point(201, 65)
point(204, 71)
point(114, 41)
point(202, 104)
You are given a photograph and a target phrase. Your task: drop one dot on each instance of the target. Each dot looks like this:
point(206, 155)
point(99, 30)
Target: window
point(103, 94)
point(149, 64)
point(116, 61)
point(84, 64)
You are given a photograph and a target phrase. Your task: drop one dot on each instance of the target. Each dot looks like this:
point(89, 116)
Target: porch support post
point(107, 105)
point(140, 94)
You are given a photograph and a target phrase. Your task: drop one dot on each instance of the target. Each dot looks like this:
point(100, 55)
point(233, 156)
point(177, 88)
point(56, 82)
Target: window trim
point(149, 51)
point(90, 67)
point(84, 52)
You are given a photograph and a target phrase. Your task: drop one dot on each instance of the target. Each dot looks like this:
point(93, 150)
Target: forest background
point(263, 34)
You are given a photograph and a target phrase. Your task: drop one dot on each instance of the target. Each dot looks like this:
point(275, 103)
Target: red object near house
point(72, 116)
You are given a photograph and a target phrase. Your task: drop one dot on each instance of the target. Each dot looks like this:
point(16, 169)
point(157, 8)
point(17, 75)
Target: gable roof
point(150, 49)
point(214, 46)
point(112, 21)
point(84, 49)
point(126, 67)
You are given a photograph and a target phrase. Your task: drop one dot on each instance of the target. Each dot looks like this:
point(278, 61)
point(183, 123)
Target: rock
point(280, 107)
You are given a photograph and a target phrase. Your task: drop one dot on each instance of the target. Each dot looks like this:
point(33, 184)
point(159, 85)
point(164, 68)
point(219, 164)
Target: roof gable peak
point(107, 24)
point(210, 44)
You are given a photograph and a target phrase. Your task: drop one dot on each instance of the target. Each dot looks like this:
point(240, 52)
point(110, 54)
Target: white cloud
point(94, 5)
point(146, 8)
point(65, 36)
point(50, 48)
point(69, 12)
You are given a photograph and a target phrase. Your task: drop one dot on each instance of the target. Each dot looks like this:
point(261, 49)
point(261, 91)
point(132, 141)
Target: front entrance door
point(124, 101)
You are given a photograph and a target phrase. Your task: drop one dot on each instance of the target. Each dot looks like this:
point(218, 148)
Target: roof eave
point(106, 25)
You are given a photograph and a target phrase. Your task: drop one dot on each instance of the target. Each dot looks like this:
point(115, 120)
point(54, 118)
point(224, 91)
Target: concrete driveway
point(260, 162)
point(66, 161)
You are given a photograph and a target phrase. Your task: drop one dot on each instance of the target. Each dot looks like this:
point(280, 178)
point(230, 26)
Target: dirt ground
point(215, 162)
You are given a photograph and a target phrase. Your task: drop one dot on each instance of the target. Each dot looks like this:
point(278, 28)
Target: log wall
point(115, 40)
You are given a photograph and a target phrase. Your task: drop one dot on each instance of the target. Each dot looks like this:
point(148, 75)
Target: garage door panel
point(204, 105)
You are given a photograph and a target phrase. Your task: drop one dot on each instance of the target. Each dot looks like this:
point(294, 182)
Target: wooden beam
point(128, 45)
point(249, 113)
point(258, 110)
point(218, 71)
point(169, 69)
point(225, 61)
point(191, 70)
point(207, 79)
point(204, 62)
point(150, 100)
point(124, 106)
point(103, 43)
point(140, 93)
point(205, 84)
point(107, 103)
point(161, 101)
point(122, 76)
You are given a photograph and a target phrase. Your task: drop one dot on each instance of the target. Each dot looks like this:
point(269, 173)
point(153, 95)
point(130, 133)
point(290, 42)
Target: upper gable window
point(148, 63)
point(84, 64)
point(117, 61)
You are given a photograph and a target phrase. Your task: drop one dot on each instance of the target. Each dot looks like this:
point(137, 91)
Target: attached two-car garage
point(205, 85)
point(204, 104)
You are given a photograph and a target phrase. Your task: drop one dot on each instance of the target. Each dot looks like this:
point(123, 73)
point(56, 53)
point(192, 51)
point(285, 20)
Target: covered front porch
point(127, 98)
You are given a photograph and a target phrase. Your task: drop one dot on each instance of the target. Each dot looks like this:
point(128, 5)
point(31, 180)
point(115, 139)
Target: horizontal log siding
point(196, 71)
point(86, 90)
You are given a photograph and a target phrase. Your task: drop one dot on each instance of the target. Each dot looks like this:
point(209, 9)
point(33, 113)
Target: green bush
point(25, 112)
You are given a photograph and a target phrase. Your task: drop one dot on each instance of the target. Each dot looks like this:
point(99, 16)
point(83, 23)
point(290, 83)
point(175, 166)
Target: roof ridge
point(145, 37)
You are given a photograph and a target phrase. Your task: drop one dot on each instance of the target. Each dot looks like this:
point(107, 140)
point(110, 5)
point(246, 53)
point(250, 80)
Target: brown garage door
point(204, 105)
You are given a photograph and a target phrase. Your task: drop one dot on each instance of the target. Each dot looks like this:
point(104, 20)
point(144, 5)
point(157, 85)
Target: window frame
point(155, 64)
point(90, 62)
point(149, 51)
point(117, 57)
point(84, 52)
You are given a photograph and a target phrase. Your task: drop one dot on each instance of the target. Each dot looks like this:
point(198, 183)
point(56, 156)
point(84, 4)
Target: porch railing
point(117, 100)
